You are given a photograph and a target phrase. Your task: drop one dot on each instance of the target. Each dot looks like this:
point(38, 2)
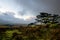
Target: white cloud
point(10, 17)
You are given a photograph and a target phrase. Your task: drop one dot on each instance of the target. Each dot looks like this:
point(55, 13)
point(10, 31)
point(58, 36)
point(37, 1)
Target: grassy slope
point(41, 32)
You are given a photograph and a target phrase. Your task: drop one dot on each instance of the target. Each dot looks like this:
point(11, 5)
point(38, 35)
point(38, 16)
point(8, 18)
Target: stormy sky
point(24, 11)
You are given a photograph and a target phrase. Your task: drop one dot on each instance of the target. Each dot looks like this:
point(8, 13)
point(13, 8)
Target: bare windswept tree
point(47, 18)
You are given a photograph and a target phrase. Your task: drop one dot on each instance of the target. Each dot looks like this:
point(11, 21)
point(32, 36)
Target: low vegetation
point(38, 32)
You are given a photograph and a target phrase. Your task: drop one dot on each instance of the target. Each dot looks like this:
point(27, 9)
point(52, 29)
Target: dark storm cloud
point(8, 18)
point(22, 13)
point(50, 6)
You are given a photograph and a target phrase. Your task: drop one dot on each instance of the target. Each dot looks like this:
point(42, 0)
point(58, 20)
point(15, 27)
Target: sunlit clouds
point(24, 17)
